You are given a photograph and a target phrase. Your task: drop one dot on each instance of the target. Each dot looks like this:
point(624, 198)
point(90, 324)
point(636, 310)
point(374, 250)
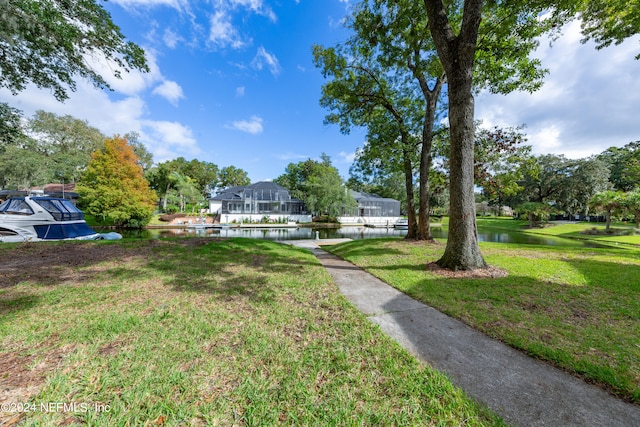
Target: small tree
point(608, 202)
point(631, 202)
point(318, 185)
point(187, 191)
point(113, 186)
point(534, 211)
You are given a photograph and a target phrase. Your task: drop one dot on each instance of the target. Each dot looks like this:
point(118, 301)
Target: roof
point(263, 190)
point(362, 197)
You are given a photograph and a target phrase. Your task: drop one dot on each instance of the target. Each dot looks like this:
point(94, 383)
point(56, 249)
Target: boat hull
point(35, 219)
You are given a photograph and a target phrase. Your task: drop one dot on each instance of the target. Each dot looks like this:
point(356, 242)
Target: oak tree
point(48, 43)
point(231, 176)
point(456, 30)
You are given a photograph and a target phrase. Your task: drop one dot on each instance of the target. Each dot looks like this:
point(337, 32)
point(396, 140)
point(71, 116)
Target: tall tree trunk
point(431, 102)
point(457, 54)
point(424, 229)
point(412, 230)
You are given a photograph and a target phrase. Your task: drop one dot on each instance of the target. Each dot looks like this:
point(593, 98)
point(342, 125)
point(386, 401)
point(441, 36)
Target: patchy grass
point(200, 332)
point(577, 308)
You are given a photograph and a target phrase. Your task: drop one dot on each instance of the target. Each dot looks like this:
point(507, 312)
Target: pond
point(355, 233)
point(268, 233)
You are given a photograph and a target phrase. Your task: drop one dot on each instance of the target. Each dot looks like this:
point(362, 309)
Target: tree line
point(110, 173)
point(537, 186)
point(118, 181)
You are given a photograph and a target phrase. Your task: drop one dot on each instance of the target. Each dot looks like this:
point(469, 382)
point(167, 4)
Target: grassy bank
point(578, 231)
point(578, 308)
point(200, 332)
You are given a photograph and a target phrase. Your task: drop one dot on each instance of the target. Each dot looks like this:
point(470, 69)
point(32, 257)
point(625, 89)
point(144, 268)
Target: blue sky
point(233, 83)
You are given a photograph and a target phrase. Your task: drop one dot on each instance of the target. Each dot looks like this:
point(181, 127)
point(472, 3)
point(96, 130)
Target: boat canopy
point(60, 209)
point(16, 207)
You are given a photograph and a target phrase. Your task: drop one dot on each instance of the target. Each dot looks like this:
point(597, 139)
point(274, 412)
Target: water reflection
point(521, 238)
point(355, 233)
point(269, 233)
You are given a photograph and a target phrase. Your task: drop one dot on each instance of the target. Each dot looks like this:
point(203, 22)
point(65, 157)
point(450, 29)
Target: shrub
point(325, 219)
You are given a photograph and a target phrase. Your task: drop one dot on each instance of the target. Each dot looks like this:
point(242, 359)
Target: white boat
point(41, 218)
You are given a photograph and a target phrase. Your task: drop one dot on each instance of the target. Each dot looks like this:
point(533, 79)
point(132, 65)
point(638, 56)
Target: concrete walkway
point(522, 390)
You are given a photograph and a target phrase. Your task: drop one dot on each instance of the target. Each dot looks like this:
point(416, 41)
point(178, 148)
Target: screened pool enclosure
point(261, 198)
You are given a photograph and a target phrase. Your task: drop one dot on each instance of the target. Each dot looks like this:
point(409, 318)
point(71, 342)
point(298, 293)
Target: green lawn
point(201, 332)
point(565, 230)
point(578, 308)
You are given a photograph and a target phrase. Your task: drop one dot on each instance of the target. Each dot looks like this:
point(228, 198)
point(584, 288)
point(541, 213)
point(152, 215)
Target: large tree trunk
point(462, 251)
point(457, 54)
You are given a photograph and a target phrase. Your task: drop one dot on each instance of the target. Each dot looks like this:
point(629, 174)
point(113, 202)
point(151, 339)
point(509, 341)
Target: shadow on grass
point(224, 267)
point(366, 247)
point(17, 302)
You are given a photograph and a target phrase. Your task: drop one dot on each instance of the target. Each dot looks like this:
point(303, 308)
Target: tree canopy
point(113, 186)
point(49, 43)
point(458, 37)
point(231, 176)
point(45, 148)
point(66, 141)
point(319, 185)
point(624, 164)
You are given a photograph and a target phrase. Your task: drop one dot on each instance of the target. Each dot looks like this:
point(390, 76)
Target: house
point(372, 210)
point(252, 203)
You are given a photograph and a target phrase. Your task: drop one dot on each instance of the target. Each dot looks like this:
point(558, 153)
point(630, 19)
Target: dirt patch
point(43, 262)
point(479, 273)
point(22, 376)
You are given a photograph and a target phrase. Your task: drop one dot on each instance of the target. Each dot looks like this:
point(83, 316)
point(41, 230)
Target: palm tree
point(631, 202)
point(609, 202)
point(535, 211)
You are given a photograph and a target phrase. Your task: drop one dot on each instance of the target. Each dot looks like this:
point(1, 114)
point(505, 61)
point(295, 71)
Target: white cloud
point(256, 6)
point(589, 101)
point(168, 140)
point(171, 38)
point(288, 156)
point(223, 34)
point(263, 57)
point(128, 4)
point(252, 126)
point(129, 83)
point(165, 140)
point(347, 157)
point(169, 90)
point(240, 90)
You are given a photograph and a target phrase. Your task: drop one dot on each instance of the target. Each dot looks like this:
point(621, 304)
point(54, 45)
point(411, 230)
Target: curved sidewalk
point(522, 390)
